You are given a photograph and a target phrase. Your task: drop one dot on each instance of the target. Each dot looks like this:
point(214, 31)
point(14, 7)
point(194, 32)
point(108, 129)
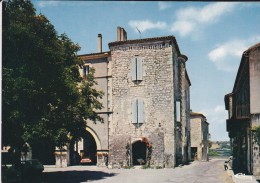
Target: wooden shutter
point(133, 69)
point(139, 69)
point(140, 110)
point(134, 110)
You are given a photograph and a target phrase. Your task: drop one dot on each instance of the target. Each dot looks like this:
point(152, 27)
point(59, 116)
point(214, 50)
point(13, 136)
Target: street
point(196, 172)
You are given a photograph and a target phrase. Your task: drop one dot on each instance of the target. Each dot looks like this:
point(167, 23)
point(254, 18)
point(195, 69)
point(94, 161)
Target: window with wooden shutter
point(85, 70)
point(133, 69)
point(137, 111)
point(178, 111)
point(136, 69)
point(139, 69)
point(140, 111)
point(134, 110)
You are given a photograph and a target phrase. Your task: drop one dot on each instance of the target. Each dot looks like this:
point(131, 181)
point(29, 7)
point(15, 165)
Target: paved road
point(196, 172)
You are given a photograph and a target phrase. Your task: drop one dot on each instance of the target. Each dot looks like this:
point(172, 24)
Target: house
point(244, 113)
point(199, 136)
point(146, 103)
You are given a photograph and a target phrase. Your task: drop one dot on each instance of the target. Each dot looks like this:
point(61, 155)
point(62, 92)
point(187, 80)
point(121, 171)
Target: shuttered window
point(136, 69)
point(85, 70)
point(178, 111)
point(137, 110)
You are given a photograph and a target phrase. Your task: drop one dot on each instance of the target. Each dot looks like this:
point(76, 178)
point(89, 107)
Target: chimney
point(121, 34)
point(118, 33)
point(99, 43)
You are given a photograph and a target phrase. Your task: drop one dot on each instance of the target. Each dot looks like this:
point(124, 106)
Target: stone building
point(146, 103)
point(199, 136)
point(244, 112)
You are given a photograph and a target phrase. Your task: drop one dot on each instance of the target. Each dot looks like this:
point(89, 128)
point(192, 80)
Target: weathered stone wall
point(159, 158)
point(255, 119)
point(196, 135)
point(156, 90)
point(254, 66)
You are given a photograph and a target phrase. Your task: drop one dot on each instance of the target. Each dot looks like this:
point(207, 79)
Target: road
point(196, 172)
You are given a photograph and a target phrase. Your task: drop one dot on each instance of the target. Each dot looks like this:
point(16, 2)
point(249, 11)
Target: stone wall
point(255, 121)
point(254, 66)
point(156, 90)
point(196, 135)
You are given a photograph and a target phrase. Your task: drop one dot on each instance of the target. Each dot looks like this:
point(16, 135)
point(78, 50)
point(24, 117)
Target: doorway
point(139, 153)
point(89, 149)
point(194, 153)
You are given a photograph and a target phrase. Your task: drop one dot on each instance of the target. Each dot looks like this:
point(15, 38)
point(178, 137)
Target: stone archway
point(139, 153)
point(89, 148)
point(94, 135)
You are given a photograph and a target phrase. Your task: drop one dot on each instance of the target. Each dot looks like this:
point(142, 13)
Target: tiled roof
point(141, 40)
point(252, 48)
point(243, 62)
point(95, 55)
point(146, 40)
point(197, 114)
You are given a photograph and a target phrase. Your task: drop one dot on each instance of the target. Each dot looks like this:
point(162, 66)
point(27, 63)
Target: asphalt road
point(196, 172)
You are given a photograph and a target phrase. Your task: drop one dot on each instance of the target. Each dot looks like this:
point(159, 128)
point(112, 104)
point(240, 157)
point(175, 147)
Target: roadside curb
point(231, 175)
point(244, 179)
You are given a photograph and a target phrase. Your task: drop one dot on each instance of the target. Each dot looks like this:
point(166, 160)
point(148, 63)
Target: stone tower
point(150, 100)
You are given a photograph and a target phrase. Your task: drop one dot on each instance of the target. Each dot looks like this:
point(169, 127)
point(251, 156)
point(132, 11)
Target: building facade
point(146, 103)
point(244, 113)
point(199, 136)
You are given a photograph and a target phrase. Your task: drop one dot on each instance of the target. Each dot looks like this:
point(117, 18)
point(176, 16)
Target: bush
point(213, 153)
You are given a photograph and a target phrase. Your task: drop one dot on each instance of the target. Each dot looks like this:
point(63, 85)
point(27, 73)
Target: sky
point(213, 35)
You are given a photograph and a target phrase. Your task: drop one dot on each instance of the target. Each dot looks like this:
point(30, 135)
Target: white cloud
point(144, 25)
point(43, 4)
point(227, 56)
point(216, 117)
point(192, 18)
point(164, 5)
point(183, 27)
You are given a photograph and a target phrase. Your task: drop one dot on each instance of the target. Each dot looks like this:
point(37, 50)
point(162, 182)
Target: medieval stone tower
point(150, 103)
point(146, 103)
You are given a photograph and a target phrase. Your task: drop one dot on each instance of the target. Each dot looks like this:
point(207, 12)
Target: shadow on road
point(74, 176)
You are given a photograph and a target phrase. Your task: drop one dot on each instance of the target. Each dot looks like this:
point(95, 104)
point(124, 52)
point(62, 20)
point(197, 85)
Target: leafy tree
point(45, 101)
point(257, 134)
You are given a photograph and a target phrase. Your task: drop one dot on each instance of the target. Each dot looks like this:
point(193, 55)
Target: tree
point(45, 101)
point(256, 131)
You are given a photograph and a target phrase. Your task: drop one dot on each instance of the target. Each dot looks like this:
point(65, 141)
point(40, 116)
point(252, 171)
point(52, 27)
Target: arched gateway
point(88, 147)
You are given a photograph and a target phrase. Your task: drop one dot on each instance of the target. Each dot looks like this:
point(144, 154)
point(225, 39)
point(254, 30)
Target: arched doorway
point(89, 149)
point(139, 153)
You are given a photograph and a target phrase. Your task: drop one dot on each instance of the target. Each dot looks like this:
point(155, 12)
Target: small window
point(137, 111)
point(85, 70)
point(178, 111)
point(136, 69)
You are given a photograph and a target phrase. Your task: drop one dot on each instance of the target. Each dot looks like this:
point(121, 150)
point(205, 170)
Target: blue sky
point(212, 34)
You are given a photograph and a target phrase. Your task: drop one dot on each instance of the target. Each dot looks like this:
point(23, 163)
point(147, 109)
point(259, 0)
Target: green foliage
point(257, 135)
point(213, 153)
point(44, 97)
point(145, 166)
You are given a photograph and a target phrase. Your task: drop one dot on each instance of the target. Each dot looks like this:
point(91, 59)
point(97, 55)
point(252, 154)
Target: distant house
point(199, 136)
point(243, 105)
point(215, 145)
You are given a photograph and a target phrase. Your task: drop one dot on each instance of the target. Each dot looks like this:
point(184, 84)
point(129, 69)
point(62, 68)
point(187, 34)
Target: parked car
point(10, 175)
point(86, 160)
